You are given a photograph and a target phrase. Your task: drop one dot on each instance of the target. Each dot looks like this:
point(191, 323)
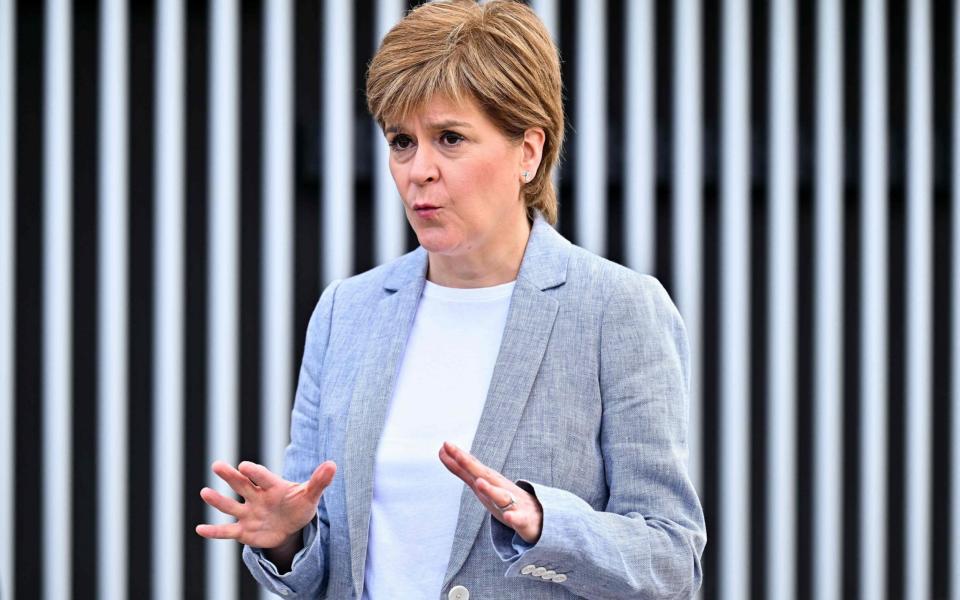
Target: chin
point(437, 241)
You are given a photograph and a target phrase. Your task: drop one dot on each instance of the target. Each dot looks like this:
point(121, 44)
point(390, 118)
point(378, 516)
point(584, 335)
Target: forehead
point(441, 112)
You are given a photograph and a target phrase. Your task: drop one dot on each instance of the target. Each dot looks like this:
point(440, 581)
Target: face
point(459, 177)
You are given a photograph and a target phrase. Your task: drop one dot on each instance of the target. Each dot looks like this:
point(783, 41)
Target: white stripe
point(954, 548)
point(688, 215)
point(112, 316)
point(391, 223)
point(7, 291)
point(169, 289)
point(640, 136)
point(57, 496)
point(590, 185)
point(828, 355)
point(223, 339)
point(782, 333)
point(919, 306)
point(873, 294)
point(734, 552)
point(549, 13)
point(336, 142)
point(278, 194)
point(278, 234)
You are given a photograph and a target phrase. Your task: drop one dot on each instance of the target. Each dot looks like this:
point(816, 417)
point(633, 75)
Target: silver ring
point(508, 505)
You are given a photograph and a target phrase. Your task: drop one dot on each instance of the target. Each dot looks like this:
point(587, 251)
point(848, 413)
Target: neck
point(491, 264)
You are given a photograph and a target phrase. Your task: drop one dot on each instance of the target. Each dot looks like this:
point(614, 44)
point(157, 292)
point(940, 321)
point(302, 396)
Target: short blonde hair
point(499, 54)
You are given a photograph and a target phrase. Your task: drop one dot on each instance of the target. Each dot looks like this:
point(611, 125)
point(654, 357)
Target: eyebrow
point(448, 124)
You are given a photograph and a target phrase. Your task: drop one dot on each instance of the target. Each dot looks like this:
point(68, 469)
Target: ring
point(508, 505)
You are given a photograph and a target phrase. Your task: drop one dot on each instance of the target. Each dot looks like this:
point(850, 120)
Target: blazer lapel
point(525, 336)
point(371, 397)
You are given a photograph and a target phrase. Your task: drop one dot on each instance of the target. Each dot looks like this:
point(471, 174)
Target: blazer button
point(560, 578)
point(539, 571)
point(548, 575)
point(458, 592)
point(528, 569)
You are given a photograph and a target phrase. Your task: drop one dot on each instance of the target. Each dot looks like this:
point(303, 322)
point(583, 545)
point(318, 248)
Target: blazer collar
point(526, 333)
point(544, 263)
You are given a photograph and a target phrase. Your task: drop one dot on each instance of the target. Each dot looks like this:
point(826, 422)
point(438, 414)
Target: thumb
point(321, 478)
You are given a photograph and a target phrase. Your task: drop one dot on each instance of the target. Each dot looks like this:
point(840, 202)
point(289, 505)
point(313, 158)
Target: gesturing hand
point(273, 510)
point(506, 501)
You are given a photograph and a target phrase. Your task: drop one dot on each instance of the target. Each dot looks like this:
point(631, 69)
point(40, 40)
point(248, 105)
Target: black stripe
point(307, 106)
point(807, 72)
point(943, 82)
point(141, 39)
point(251, 256)
point(852, 213)
point(196, 466)
point(29, 580)
point(86, 146)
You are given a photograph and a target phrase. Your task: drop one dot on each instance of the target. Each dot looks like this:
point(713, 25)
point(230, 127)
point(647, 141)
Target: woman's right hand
point(274, 510)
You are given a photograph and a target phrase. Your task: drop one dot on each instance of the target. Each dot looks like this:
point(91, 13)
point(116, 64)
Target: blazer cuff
point(507, 542)
point(298, 578)
point(552, 557)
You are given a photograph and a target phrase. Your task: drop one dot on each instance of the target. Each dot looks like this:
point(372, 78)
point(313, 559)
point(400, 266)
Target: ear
point(531, 151)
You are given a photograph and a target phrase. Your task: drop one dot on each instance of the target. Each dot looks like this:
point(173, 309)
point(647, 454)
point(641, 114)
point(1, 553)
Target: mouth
point(425, 210)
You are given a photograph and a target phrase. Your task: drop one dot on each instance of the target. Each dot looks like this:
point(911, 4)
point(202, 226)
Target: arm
point(298, 567)
point(648, 539)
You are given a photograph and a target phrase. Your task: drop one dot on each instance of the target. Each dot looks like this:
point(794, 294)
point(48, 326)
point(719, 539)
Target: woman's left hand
point(525, 515)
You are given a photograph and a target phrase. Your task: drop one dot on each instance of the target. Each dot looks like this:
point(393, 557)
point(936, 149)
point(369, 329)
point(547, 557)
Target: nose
point(423, 167)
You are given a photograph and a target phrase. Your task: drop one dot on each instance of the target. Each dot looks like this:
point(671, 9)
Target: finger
point(454, 467)
point(320, 479)
point(220, 502)
point(472, 465)
point(228, 531)
point(261, 476)
point(234, 478)
point(498, 496)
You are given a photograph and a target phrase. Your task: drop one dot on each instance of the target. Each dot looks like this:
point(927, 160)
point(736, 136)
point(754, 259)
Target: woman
point(564, 374)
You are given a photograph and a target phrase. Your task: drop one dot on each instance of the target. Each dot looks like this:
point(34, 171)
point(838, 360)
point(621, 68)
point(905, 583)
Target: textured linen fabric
point(587, 406)
point(440, 391)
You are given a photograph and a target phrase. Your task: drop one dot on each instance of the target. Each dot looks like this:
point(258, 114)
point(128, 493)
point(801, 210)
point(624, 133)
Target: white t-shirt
point(440, 392)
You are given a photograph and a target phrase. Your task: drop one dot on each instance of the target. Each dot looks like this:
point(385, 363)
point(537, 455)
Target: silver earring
point(525, 175)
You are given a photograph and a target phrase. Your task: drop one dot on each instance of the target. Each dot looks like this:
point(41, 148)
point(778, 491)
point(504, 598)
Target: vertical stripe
point(337, 197)
point(919, 288)
point(391, 225)
point(734, 493)
point(782, 413)
point(7, 291)
point(688, 210)
point(873, 294)
point(640, 168)
point(112, 317)
point(168, 331)
point(549, 13)
point(954, 549)
point(277, 332)
point(223, 279)
point(590, 184)
point(57, 301)
point(828, 357)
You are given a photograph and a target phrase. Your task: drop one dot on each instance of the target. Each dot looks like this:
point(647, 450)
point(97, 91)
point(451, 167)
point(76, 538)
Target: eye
point(449, 138)
point(400, 142)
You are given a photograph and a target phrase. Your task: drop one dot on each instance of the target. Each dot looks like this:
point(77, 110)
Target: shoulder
point(378, 282)
point(614, 287)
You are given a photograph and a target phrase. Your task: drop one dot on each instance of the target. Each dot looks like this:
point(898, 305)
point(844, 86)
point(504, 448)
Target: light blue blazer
point(587, 403)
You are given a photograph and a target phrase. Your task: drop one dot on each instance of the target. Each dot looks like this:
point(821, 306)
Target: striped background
point(178, 180)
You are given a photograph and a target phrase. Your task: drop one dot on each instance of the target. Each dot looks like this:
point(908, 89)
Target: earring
point(525, 175)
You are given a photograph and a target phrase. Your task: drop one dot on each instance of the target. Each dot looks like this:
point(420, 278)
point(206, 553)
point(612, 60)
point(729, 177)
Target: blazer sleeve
point(648, 540)
point(307, 577)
